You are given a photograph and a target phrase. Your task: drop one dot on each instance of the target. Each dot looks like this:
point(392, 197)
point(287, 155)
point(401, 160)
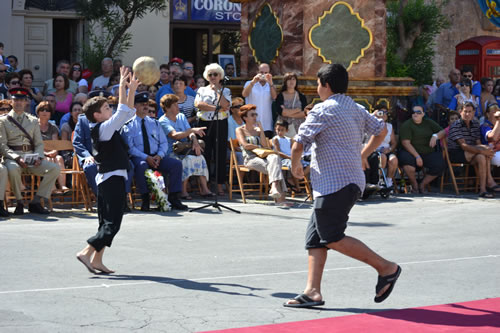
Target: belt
point(23, 148)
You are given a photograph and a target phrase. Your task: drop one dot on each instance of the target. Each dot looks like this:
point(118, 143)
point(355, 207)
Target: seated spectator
point(12, 80)
point(63, 97)
point(51, 99)
point(5, 106)
point(177, 128)
point(452, 117)
point(164, 76)
point(12, 60)
point(387, 148)
point(486, 96)
point(114, 83)
point(188, 73)
point(68, 127)
point(82, 143)
point(148, 150)
point(490, 131)
point(75, 74)
point(186, 102)
point(27, 82)
point(233, 122)
point(464, 95)
point(101, 82)
point(464, 146)
point(175, 71)
point(418, 137)
point(496, 91)
point(152, 90)
point(152, 109)
point(50, 131)
point(200, 82)
point(62, 67)
point(283, 145)
point(251, 136)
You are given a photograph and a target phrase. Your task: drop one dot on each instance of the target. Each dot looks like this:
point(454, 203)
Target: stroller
point(380, 187)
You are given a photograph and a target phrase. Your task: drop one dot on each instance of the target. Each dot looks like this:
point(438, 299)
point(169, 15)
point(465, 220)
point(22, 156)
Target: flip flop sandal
point(494, 189)
point(486, 195)
point(304, 302)
point(383, 281)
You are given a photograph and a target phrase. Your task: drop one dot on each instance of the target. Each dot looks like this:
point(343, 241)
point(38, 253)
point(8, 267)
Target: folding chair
point(234, 168)
point(463, 180)
point(80, 194)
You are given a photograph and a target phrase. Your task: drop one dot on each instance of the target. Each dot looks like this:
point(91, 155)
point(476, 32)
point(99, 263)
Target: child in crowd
point(283, 145)
point(112, 165)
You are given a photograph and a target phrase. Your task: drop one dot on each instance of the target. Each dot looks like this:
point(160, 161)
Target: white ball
point(147, 71)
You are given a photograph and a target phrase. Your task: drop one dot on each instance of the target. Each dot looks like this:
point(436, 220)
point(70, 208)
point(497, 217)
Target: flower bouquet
point(156, 189)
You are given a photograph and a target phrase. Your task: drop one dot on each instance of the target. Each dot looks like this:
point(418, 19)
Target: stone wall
point(297, 54)
point(467, 20)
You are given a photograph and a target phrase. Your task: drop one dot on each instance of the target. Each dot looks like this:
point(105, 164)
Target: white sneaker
point(389, 182)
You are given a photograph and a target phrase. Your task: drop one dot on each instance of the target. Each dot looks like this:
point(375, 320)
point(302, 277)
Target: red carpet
point(476, 316)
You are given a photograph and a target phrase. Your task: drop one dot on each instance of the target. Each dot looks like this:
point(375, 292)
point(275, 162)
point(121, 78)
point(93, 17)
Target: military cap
point(19, 92)
point(141, 97)
point(100, 93)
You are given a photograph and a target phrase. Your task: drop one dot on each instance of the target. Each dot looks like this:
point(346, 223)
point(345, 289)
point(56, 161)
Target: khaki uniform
point(14, 144)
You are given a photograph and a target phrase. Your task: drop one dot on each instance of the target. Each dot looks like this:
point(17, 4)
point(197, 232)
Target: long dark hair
point(71, 122)
point(286, 78)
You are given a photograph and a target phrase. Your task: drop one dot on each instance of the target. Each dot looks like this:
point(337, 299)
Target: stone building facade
point(467, 20)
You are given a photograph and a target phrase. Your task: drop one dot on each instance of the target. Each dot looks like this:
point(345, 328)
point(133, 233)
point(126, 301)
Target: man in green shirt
point(418, 138)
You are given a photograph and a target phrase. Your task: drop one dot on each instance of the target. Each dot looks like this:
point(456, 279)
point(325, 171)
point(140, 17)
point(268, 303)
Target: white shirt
point(387, 140)
point(261, 97)
point(100, 82)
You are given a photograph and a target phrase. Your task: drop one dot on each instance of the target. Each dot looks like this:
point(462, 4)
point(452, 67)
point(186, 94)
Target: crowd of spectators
point(184, 106)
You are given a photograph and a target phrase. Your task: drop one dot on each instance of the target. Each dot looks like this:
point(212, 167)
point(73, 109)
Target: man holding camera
point(261, 92)
point(20, 141)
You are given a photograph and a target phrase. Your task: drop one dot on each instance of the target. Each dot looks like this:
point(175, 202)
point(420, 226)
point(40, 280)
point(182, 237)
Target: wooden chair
point(303, 183)
point(462, 180)
point(234, 168)
point(80, 192)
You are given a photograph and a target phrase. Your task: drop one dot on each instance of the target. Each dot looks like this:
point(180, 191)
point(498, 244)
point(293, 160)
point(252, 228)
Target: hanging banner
point(491, 8)
point(180, 10)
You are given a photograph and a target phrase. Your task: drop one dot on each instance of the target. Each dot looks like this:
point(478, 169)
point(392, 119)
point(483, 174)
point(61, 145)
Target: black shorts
point(329, 218)
point(457, 156)
point(433, 162)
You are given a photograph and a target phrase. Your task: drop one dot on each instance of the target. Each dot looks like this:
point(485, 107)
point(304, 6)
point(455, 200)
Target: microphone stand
point(216, 203)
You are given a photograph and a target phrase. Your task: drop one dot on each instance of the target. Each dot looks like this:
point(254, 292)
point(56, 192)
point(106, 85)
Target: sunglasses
point(468, 76)
point(43, 110)
point(418, 112)
point(213, 74)
point(4, 109)
point(252, 114)
point(236, 106)
point(189, 68)
point(77, 69)
point(15, 82)
point(2, 71)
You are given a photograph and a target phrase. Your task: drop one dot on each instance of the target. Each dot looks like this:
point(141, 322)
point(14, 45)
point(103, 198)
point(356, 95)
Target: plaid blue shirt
point(335, 129)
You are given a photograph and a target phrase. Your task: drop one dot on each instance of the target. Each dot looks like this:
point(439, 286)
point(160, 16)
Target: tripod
point(216, 203)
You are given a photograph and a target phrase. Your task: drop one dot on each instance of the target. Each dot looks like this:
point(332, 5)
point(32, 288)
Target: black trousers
point(210, 146)
point(111, 196)
point(371, 174)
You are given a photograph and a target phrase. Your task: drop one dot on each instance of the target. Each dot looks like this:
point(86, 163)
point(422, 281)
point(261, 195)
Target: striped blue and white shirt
point(335, 129)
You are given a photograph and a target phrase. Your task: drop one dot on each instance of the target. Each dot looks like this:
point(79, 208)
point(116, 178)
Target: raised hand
point(132, 88)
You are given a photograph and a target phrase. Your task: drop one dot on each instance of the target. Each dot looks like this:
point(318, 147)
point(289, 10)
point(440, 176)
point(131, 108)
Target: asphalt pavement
point(206, 270)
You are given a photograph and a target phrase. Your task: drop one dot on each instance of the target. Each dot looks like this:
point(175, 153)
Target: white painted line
point(103, 285)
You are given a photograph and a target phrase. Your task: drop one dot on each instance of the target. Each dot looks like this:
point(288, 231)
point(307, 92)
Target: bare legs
point(410, 172)
point(348, 246)
point(93, 259)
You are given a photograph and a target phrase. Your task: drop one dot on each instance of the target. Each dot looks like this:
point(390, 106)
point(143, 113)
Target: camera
point(262, 77)
point(380, 113)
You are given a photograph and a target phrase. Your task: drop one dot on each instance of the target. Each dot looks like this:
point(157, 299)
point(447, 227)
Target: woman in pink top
point(63, 97)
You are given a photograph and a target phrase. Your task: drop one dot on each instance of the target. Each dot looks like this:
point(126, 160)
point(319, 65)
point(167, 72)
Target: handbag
point(263, 152)
point(186, 147)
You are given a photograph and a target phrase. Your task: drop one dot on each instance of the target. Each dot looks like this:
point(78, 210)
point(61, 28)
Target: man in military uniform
point(19, 137)
point(148, 150)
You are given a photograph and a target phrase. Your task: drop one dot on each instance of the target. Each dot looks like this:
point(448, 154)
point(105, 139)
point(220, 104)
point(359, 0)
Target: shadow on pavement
point(437, 317)
point(182, 283)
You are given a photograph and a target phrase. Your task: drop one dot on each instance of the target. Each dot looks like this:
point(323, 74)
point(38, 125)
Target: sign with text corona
point(215, 10)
